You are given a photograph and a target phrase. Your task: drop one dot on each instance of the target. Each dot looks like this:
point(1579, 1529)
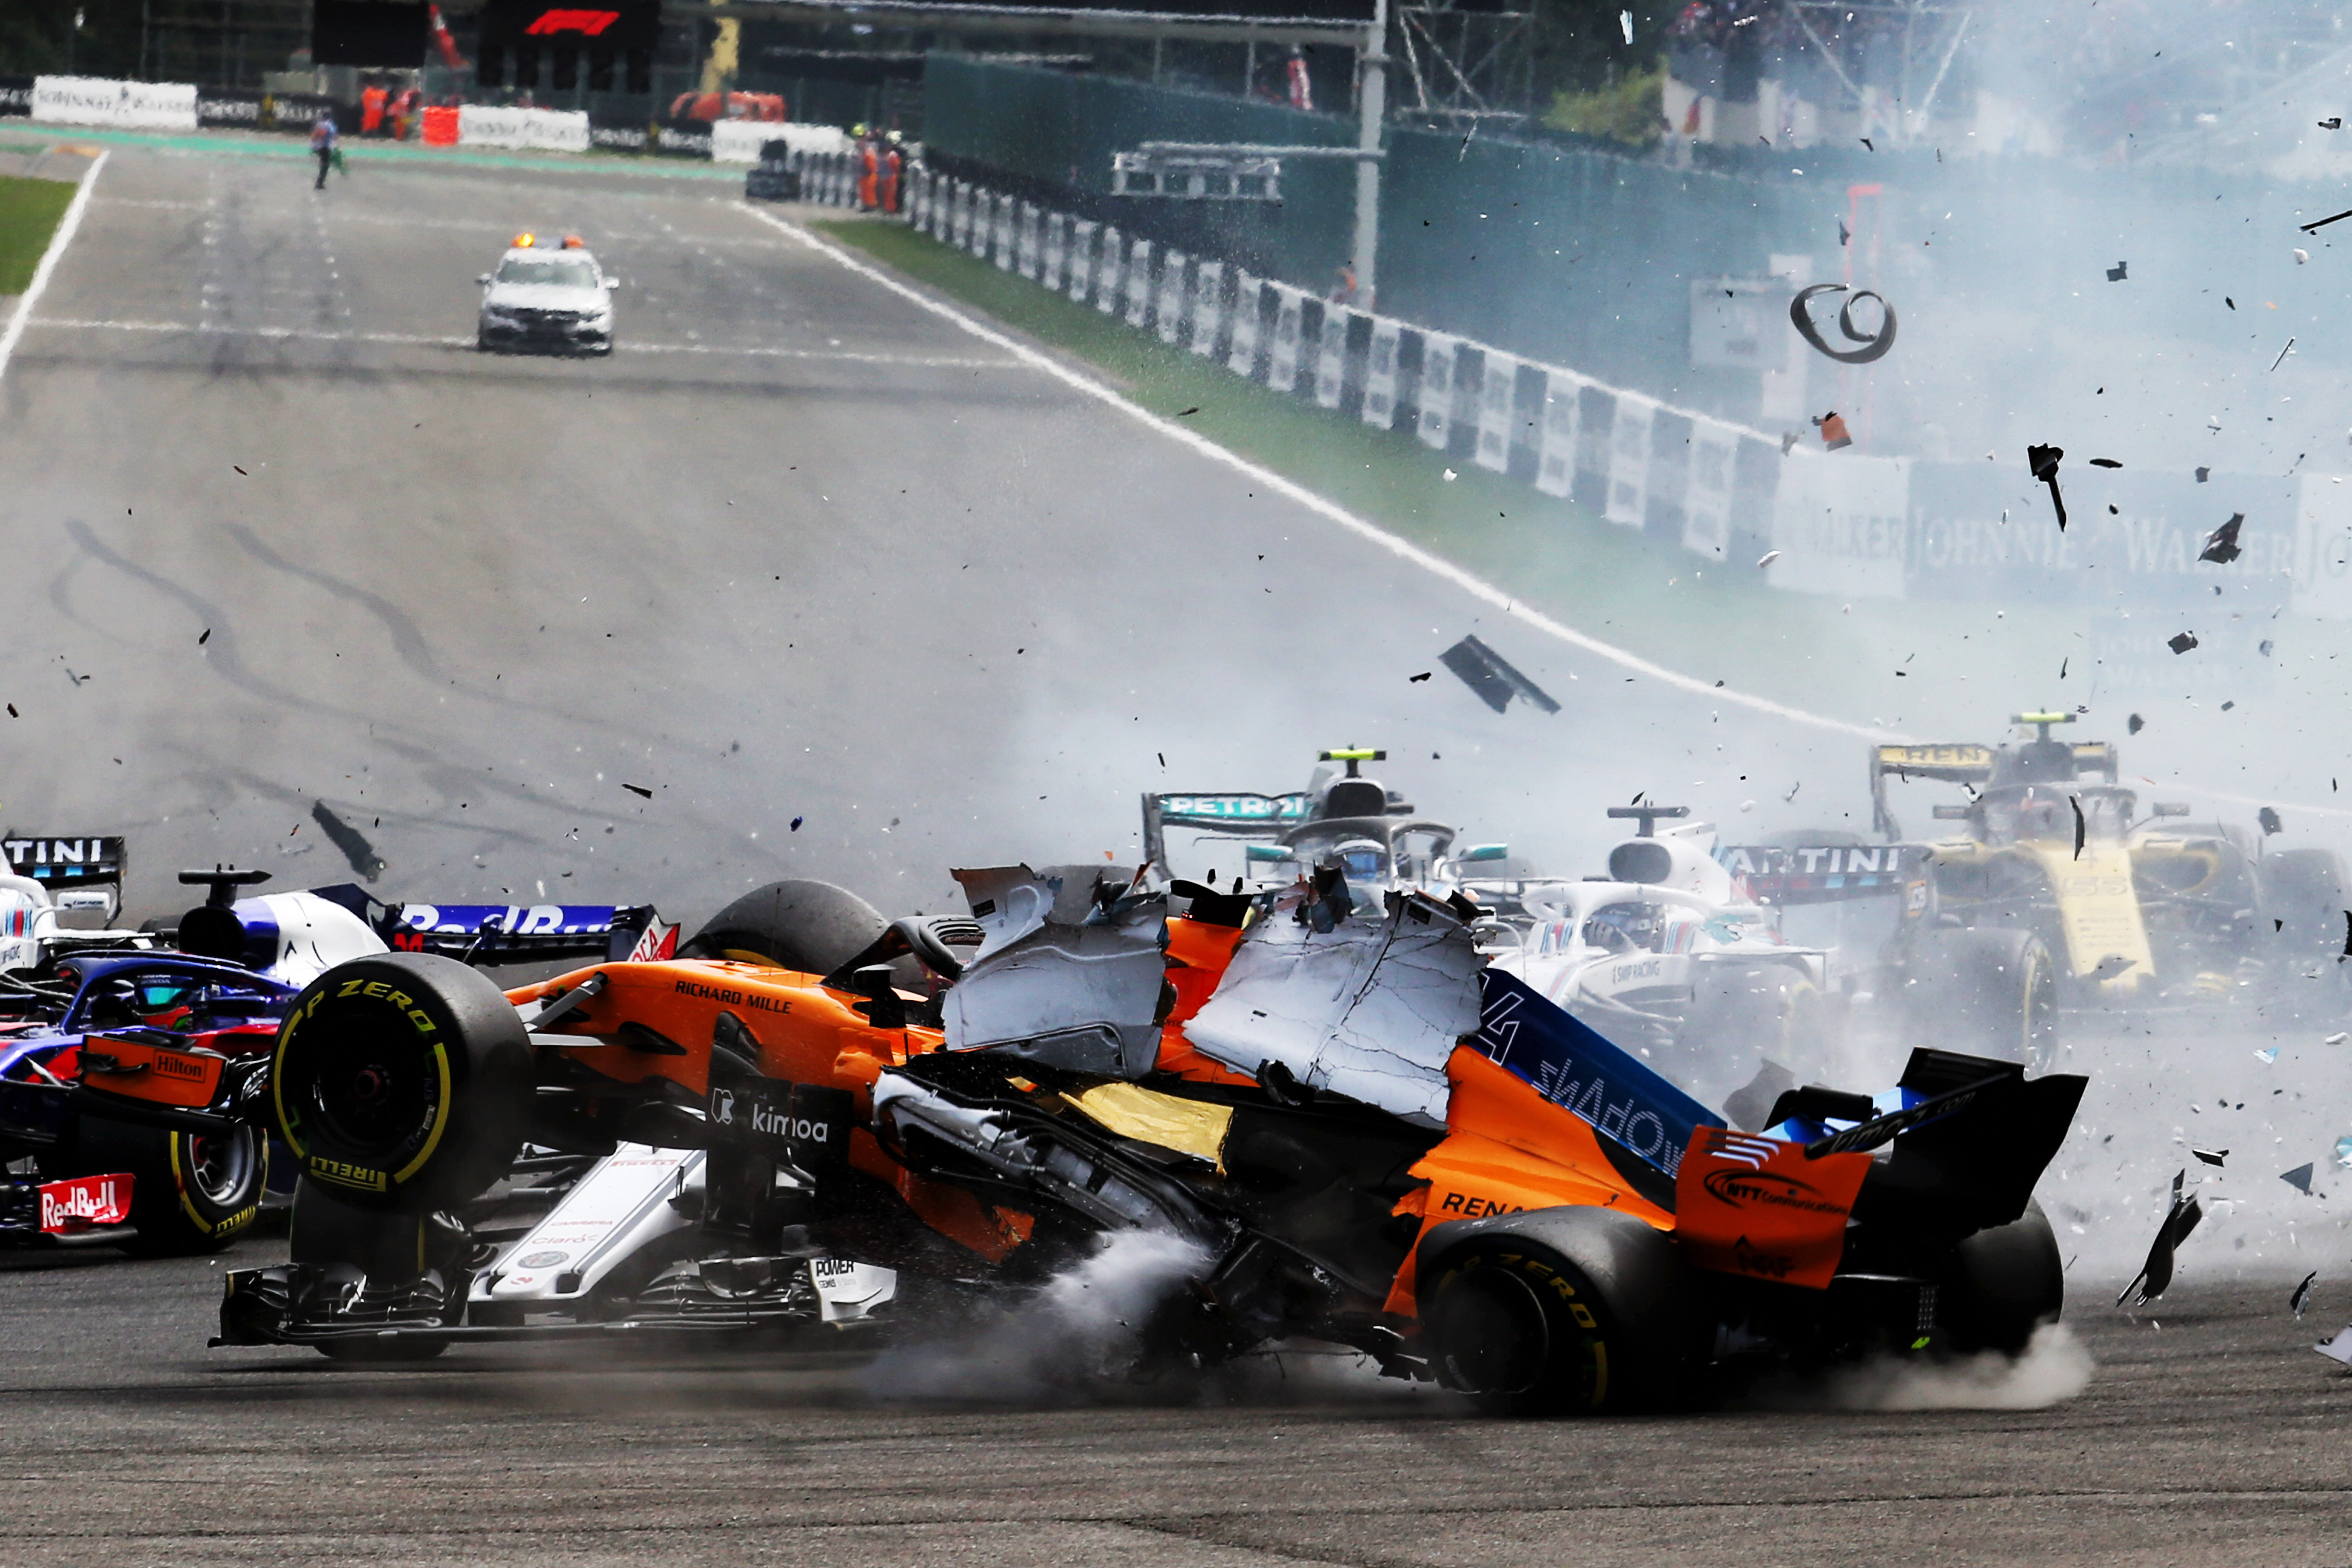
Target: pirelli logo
point(340, 1174)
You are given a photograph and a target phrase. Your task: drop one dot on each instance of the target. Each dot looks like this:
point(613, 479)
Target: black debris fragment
point(240, 471)
point(2299, 1178)
point(2221, 545)
point(2080, 830)
point(638, 789)
point(2119, 271)
point(2212, 1156)
point(1875, 345)
point(2333, 123)
point(2302, 1297)
point(1750, 1108)
point(2156, 1274)
point(2203, 475)
point(2348, 933)
point(1417, 679)
point(207, 638)
point(1491, 677)
point(2269, 819)
point(346, 839)
point(2265, 647)
point(2044, 462)
point(2135, 724)
point(1187, 413)
point(796, 823)
point(2227, 706)
point(2322, 223)
point(2104, 463)
point(2181, 642)
point(2281, 360)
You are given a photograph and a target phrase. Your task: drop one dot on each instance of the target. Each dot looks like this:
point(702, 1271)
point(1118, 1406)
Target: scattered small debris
point(2156, 1274)
point(2337, 1039)
point(1834, 435)
point(206, 638)
point(2322, 223)
point(2183, 642)
point(2110, 967)
point(2265, 647)
point(638, 789)
point(1789, 439)
point(2338, 1349)
point(2043, 463)
point(2210, 1156)
point(2119, 271)
point(2283, 354)
point(1409, 680)
point(2104, 463)
point(2301, 256)
point(2333, 123)
point(2221, 545)
point(1769, 557)
point(1187, 413)
point(2269, 818)
point(2081, 828)
point(240, 471)
point(2203, 475)
point(2299, 1178)
point(1450, 476)
point(2135, 724)
point(2267, 1056)
point(796, 823)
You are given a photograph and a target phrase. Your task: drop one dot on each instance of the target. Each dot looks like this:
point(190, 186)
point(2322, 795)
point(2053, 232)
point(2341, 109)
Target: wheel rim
point(1492, 1331)
point(220, 1170)
point(376, 1092)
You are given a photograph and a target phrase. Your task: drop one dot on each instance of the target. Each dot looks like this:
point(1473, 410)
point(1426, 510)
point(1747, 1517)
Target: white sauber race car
point(1669, 957)
point(61, 895)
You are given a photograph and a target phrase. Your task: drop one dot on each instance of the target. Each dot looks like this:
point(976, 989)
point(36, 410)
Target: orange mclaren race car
point(1362, 1133)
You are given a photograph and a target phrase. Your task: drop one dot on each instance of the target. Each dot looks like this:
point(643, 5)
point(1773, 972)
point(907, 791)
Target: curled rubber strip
point(1875, 345)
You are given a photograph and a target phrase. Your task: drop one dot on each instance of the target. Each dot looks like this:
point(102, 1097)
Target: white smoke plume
point(2054, 1368)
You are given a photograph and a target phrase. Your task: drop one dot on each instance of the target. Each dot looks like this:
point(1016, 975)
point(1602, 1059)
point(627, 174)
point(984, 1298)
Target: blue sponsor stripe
point(1573, 1067)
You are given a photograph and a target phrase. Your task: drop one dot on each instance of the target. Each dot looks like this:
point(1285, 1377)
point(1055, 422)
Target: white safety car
point(551, 297)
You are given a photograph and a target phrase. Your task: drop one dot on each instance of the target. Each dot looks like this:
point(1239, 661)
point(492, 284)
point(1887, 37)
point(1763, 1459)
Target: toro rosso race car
point(1356, 1129)
point(123, 1061)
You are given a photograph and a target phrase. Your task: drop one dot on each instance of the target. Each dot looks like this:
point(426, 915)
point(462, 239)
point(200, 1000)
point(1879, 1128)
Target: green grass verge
point(1926, 668)
point(29, 211)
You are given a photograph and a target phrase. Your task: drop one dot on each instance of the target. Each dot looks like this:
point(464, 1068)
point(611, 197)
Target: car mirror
point(1951, 813)
point(1486, 852)
point(2171, 808)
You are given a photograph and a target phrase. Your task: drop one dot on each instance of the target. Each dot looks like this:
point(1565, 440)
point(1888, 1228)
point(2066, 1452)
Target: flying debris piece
point(2301, 256)
point(796, 823)
point(2181, 642)
point(2283, 354)
point(1769, 557)
point(2119, 271)
point(1488, 674)
point(2302, 1297)
point(1834, 435)
point(2044, 462)
point(1845, 235)
point(2212, 1156)
point(2299, 1178)
point(2337, 1039)
point(2104, 463)
point(207, 638)
point(2269, 819)
point(2156, 1274)
point(346, 839)
point(2265, 647)
point(2322, 223)
point(2267, 1056)
point(2338, 1349)
point(2080, 829)
point(2344, 1152)
point(1875, 345)
point(1187, 413)
point(2107, 968)
point(240, 471)
point(2203, 475)
point(2348, 933)
point(1789, 439)
point(2333, 123)
point(2135, 724)
point(1625, 24)
point(1417, 679)
point(638, 789)
point(2221, 545)
point(1750, 1107)
point(12, 712)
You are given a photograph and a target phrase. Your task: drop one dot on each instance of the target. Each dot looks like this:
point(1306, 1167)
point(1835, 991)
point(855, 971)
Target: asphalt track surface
point(800, 551)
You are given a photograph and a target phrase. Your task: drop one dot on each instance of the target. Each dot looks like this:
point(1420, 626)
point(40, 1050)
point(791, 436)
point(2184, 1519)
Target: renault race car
point(1356, 1130)
point(547, 297)
point(121, 1061)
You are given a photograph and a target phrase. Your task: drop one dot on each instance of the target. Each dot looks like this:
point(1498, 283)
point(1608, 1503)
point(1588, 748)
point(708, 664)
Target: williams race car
point(1358, 1131)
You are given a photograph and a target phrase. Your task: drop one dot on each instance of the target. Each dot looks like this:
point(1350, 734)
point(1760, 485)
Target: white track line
point(419, 339)
point(57, 243)
point(1475, 586)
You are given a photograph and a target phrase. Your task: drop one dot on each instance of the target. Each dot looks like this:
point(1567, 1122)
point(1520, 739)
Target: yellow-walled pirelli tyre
point(402, 1082)
point(1567, 1311)
point(190, 1191)
point(810, 927)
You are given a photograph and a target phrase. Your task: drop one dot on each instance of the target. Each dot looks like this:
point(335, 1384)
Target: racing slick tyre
point(2004, 1283)
point(404, 1082)
point(811, 928)
point(190, 1192)
point(1993, 992)
point(1560, 1312)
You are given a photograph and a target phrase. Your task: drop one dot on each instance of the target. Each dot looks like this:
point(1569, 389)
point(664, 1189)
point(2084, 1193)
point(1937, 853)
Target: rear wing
point(1820, 874)
point(1228, 815)
point(514, 933)
point(65, 864)
point(1969, 766)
